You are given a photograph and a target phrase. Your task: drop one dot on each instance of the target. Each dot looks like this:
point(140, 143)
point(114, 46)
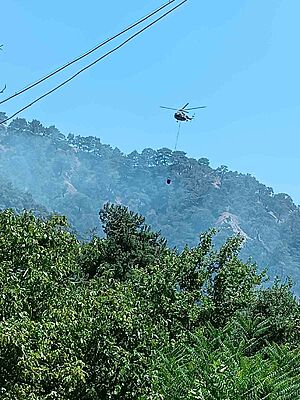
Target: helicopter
point(181, 113)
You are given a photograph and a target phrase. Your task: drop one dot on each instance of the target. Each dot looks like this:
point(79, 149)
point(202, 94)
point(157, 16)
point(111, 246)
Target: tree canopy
point(126, 317)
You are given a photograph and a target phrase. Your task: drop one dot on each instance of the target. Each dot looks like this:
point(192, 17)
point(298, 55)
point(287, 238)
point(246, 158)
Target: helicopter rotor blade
point(195, 108)
point(169, 108)
point(184, 106)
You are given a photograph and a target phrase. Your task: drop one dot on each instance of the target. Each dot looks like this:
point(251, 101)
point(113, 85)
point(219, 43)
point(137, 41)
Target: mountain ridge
point(76, 175)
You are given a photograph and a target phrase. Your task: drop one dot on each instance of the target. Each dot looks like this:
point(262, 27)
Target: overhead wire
point(96, 61)
point(133, 25)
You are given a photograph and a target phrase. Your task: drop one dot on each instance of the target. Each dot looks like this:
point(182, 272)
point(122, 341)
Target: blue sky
point(240, 58)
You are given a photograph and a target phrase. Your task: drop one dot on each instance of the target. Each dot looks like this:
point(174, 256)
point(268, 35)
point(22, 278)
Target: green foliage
point(212, 368)
point(129, 243)
point(234, 282)
point(279, 306)
point(38, 268)
point(124, 317)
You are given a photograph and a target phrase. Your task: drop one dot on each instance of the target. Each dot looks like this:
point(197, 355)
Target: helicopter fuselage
point(182, 116)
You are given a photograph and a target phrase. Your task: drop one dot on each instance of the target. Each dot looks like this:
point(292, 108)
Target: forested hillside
point(15, 199)
point(76, 175)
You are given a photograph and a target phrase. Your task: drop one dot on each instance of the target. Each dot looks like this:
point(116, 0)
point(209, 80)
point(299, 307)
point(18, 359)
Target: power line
point(88, 52)
point(95, 62)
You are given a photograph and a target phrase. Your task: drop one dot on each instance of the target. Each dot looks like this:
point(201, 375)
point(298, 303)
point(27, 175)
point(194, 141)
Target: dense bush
point(125, 317)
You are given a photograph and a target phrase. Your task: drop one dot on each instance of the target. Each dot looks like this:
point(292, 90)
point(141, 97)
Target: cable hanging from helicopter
point(181, 115)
